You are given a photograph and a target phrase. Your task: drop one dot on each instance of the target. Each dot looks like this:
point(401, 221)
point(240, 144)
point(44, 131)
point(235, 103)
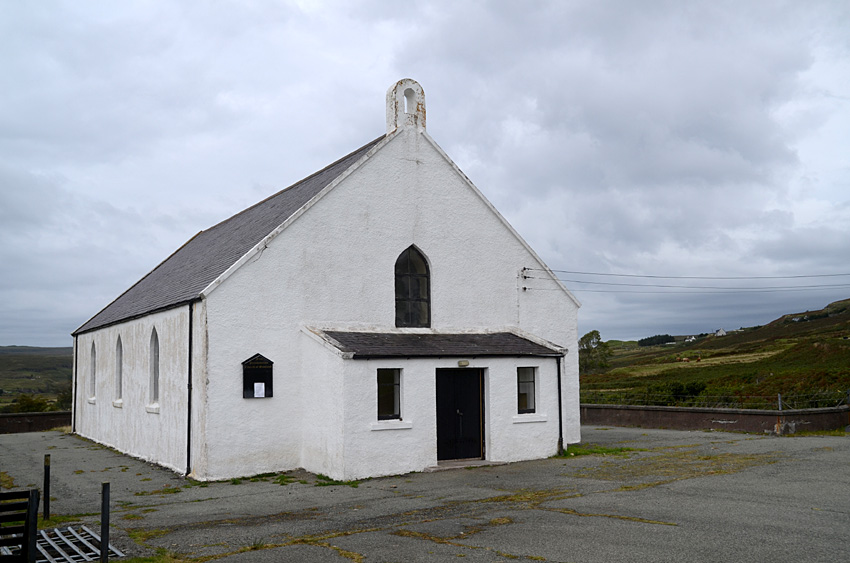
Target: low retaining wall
point(12, 423)
point(737, 420)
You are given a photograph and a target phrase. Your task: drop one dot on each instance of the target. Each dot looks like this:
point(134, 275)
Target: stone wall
point(12, 423)
point(737, 420)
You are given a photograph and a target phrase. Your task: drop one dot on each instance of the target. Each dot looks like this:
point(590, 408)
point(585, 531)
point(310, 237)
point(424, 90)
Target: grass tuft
point(575, 450)
point(6, 480)
point(325, 481)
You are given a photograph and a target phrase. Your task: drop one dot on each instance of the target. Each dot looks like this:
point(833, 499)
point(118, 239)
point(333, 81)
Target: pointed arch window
point(154, 383)
point(119, 370)
point(412, 290)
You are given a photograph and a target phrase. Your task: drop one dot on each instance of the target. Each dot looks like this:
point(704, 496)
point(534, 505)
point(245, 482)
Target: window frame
point(522, 371)
point(93, 373)
point(119, 370)
point(153, 391)
point(396, 394)
point(404, 276)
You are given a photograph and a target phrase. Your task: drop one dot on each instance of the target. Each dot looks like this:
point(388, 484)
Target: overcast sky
point(704, 139)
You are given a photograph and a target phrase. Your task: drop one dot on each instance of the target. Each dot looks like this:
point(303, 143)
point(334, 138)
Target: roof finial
point(405, 105)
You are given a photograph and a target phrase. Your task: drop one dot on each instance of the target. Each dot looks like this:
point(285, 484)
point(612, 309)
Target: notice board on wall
point(257, 377)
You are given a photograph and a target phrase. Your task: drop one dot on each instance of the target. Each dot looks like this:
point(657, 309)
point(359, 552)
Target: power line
point(800, 287)
point(698, 292)
point(692, 277)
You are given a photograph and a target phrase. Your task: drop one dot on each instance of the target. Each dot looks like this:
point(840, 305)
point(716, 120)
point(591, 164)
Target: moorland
point(805, 357)
point(35, 378)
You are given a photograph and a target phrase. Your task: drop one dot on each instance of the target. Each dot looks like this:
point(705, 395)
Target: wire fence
point(778, 402)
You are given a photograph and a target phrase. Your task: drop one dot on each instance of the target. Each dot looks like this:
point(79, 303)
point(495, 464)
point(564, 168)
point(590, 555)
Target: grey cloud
point(808, 249)
point(652, 137)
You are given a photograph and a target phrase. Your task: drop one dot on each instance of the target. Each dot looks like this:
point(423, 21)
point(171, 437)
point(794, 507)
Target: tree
point(64, 398)
point(30, 403)
point(593, 354)
point(656, 340)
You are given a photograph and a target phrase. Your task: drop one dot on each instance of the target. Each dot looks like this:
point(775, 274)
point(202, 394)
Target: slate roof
point(183, 275)
point(370, 345)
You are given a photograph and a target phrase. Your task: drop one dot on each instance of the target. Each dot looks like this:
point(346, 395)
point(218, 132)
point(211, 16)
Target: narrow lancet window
point(154, 384)
point(412, 290)
point(93, 379)
point(119, 369)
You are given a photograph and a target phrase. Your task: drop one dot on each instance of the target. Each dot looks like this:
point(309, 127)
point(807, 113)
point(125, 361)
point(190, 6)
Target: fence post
point(46, 486)
point(104, 523)
point(31, 535)
point(779, 400)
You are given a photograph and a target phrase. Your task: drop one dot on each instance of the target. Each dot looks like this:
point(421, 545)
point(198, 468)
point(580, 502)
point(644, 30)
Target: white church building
point(377, 317)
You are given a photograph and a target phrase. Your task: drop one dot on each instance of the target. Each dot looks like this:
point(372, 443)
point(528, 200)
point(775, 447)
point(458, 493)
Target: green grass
point(284, 479)
point(166, 490)
point(40, 373)
point(837, 432)
point(325, 481)
point(803, 357)
point(575, 450)
point(163, 557)
point(6, 480)
point(60, 519)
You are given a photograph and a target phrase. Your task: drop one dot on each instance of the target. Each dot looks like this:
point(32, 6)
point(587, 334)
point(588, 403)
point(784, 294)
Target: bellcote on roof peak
point(405, 105)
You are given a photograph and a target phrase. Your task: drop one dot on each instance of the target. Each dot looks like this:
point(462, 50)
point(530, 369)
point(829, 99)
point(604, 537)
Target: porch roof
point(372, 345)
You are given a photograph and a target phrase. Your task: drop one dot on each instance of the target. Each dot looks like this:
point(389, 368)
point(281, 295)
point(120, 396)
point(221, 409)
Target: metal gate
point(67, 544)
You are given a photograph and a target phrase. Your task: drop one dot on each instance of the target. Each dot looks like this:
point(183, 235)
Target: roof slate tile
point(365, 345)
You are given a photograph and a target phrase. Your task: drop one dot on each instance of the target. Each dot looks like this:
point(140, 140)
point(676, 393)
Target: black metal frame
point(18, 525)
point(396, 393)
point(406, 279)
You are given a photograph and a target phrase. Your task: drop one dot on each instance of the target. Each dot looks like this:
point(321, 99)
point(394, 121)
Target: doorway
point(460, 414)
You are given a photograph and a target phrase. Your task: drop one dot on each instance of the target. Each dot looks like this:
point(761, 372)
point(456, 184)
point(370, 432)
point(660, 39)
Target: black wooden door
point(460, 413)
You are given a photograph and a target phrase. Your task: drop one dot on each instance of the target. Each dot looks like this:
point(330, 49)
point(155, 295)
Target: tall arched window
point(412, 290)
point(119, 370)
point(154, 385)
point(93, 378)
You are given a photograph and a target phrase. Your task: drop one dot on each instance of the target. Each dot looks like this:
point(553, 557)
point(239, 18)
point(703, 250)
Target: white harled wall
point(334, 268)
point(132, 424)
point(375, 447)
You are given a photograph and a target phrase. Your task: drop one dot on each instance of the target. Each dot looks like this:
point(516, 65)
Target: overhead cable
point(692, 277)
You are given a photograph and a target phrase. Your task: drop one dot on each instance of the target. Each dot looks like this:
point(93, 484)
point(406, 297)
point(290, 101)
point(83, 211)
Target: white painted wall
point(334, 268)
point(375, 447)
point(200, 398)
point(133, 424)
point(388, 447)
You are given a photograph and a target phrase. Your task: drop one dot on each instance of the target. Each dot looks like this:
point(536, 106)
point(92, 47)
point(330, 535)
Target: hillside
point(34, 351)
point(26, 370)
point(803, 356)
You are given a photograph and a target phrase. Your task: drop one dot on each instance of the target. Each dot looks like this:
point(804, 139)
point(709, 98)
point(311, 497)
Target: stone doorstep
point(446, 464)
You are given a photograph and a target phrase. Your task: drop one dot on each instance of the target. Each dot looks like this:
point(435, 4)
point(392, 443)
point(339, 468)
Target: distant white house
point(374, 318)
point(720, 332)
point(691, 339)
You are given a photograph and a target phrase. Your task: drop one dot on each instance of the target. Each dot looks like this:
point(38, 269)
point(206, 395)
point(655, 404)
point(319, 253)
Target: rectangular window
point(389, 394)
point(525, 390)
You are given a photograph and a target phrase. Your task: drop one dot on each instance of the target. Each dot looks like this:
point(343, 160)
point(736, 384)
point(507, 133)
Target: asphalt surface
point(680, 496)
